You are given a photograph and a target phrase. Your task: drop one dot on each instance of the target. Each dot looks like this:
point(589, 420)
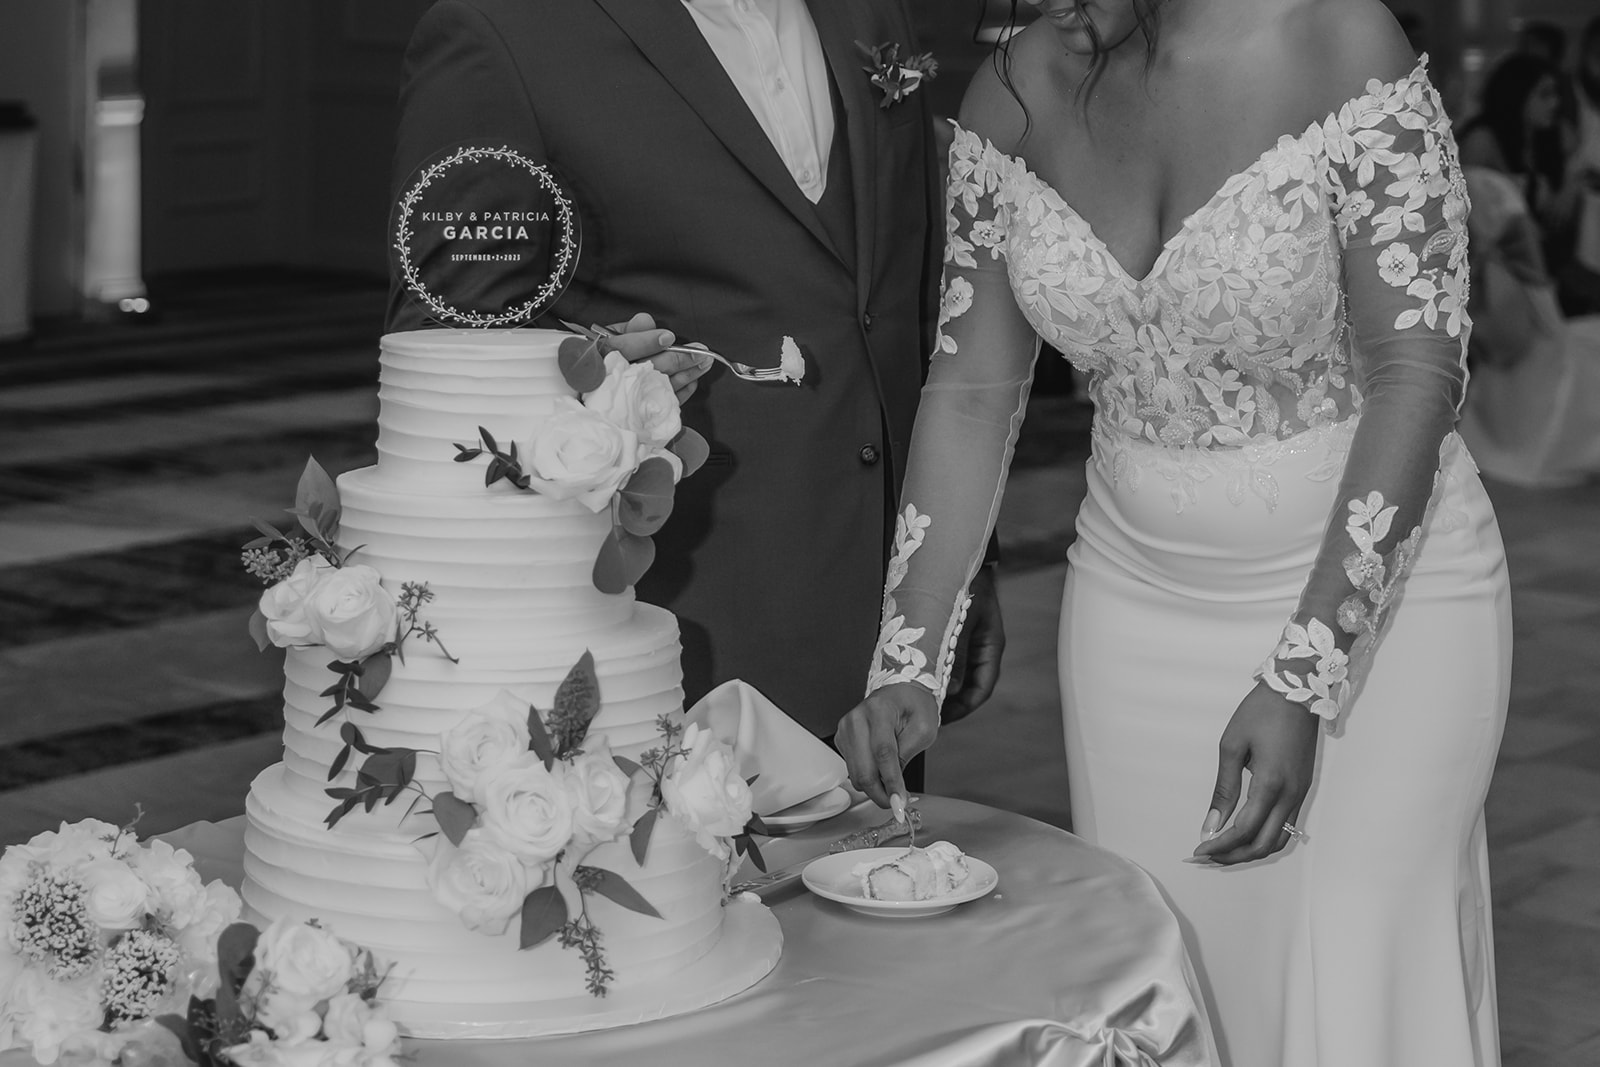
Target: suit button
point(868, 454)
point(866, 321)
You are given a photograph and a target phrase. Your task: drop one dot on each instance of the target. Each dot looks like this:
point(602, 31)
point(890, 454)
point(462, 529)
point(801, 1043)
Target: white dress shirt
point(771, 51)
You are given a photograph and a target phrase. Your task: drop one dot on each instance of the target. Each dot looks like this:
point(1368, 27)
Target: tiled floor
point(132, 458)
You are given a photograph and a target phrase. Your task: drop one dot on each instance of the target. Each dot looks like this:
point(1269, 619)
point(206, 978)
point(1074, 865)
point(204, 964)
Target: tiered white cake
point(514, 601)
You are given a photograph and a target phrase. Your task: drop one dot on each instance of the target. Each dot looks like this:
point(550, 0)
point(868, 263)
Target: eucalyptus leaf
point(625, 765)
point(317, 495)
point(258, 542)
point(539, 739)
point(623, 560)
point(615, 888)
point(180, 1029)
point(455, 816)
point(645, 502)
point(582, 364)
point(236, 947)
point(639, 839)
point(488, 439)
point(375, 672)
point(544, 912)
point(747, 846)
point(268, 530)
point(691, 448)
point(339, 761)
point(577, 703)
point(258, 630)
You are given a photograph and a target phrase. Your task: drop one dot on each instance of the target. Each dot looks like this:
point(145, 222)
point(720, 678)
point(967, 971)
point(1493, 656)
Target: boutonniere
point(897, 78)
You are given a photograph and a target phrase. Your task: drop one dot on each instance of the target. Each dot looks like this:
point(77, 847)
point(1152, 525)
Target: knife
point(775, 882)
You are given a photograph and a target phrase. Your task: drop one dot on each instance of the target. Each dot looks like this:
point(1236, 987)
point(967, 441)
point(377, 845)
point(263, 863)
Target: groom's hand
point(983, 642)
point(638, 339)
point(884, 731)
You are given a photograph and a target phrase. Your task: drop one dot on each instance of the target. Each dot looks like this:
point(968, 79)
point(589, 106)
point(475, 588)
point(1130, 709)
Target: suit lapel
point(839, 35)
point(669, 39)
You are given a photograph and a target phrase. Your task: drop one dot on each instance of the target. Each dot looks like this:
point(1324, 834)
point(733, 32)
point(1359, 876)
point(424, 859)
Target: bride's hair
point(1147, 23)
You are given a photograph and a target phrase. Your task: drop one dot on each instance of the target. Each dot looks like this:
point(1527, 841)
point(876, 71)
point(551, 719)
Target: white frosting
point(514, 601)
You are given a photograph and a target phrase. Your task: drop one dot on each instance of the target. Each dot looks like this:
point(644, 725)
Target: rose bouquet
point(98, 934)
point(620, 444)
point(292, 995)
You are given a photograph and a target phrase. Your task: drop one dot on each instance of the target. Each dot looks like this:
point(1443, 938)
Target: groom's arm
point(460, 84)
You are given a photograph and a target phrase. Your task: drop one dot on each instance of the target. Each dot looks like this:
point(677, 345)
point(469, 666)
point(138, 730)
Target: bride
point(1244, 219)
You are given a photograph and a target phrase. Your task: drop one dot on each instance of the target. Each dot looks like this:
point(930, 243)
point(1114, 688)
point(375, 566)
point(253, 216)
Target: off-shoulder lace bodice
point(1328, 272)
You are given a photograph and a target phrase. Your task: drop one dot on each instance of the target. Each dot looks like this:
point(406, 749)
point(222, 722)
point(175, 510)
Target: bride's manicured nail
point(1203, 861)
point(666, 338)
point(1212, 824)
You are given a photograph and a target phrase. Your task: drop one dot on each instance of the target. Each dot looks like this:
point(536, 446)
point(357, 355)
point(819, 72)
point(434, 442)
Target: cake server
point(775, 882)
point(740, 370)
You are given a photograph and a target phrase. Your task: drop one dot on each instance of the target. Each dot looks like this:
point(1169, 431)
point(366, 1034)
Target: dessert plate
point(829, 877)
point(809, 812)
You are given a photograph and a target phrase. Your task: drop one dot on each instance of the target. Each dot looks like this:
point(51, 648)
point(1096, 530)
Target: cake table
point(1074, 961)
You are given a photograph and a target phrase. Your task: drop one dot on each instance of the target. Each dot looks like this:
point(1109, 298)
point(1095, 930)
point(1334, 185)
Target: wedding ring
point(1292, 830)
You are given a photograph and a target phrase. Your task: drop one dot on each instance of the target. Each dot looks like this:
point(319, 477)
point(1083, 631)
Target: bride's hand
point(1277, 740)
point(884, 731)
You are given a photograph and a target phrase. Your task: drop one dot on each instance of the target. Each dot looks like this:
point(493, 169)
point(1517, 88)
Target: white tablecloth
point(1075, 961)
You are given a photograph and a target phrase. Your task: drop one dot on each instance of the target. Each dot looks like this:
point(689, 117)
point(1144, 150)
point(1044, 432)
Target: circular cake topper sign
point(484, 236)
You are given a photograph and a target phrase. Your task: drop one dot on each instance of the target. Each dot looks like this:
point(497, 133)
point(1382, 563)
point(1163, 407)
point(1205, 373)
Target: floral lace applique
point(1326, 689)
point(1238, 335)
point(898, 659)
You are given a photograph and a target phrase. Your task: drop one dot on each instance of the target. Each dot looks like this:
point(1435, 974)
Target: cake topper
point(484, 236)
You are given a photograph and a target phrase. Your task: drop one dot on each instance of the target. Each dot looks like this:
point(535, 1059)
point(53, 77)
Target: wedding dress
point(1532, 416)
point(1273, 471)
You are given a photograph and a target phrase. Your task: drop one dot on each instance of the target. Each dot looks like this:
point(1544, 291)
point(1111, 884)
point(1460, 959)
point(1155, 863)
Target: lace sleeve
point(966, 428)
point(1401, 214)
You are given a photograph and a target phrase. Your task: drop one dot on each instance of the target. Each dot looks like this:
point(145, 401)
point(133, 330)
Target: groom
point(740, 178)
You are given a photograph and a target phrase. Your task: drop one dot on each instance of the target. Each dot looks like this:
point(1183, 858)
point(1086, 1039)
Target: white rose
point(65, 849)
point(704, 790)
point(492, 736)
point(116, 897)
point(599, 792)
point(637, 397)
point(302, 960)
point(284, 604)
point(219, 908)
point(352, 612)
point(479, 881)
point(526, 809)
point(50, 1015)
point(358, 1023)
point(581, 455)
point(344, 1018)
point(170, 873)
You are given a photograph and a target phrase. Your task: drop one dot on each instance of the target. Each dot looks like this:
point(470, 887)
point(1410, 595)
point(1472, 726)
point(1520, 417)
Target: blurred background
point(193, 205)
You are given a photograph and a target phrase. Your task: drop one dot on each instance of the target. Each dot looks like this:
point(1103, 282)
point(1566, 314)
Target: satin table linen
point(1074, 961)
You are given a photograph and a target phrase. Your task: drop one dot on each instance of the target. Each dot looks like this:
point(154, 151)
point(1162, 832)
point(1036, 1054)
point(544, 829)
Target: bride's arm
point(1400, 207)
point(967, 423)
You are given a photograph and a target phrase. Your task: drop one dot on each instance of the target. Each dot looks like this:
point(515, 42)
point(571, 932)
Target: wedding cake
point(518, 873)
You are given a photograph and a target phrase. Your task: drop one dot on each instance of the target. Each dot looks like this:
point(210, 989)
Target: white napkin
point(792, 765)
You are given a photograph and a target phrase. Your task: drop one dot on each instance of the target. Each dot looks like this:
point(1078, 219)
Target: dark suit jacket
point(773, 559)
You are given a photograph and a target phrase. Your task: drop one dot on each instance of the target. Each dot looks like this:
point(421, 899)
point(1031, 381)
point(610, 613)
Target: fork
point(740, 370)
